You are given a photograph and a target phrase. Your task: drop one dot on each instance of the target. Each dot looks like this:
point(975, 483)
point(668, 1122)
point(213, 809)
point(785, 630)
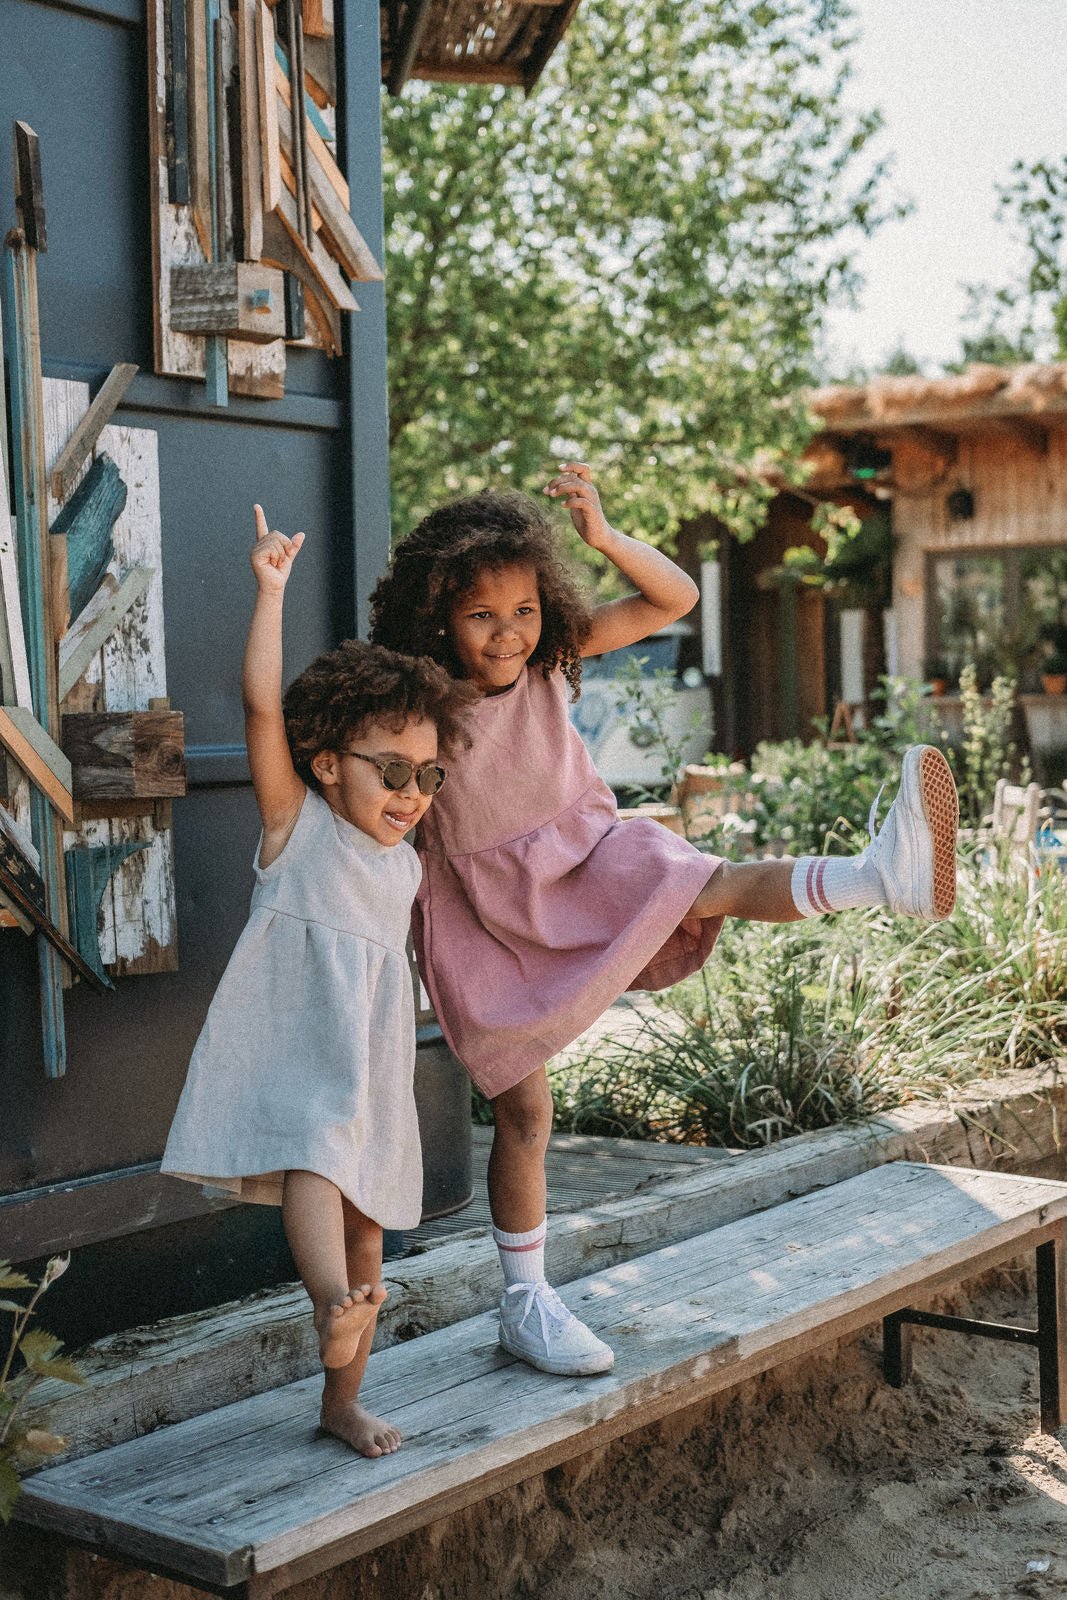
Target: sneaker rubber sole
point(561, 1369)
point(942, 811)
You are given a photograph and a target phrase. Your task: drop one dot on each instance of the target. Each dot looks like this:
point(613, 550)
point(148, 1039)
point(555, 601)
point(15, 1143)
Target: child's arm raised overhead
point(278, 788)
point(665, 592)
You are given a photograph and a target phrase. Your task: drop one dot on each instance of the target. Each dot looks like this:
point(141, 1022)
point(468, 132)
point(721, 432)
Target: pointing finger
point(262, 530)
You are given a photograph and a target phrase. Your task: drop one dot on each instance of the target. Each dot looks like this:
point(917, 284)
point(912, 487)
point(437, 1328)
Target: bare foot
point(371, 1436)
point(340, 1326)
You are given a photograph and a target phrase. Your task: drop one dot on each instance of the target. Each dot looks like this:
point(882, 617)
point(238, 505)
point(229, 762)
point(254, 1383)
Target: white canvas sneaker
point(914, 851)
point(536, 1326)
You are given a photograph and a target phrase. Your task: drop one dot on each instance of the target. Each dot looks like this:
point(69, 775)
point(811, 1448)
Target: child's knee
point(525, 1112)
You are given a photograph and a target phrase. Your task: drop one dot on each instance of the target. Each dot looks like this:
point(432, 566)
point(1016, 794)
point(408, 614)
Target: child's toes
point(378, 1294)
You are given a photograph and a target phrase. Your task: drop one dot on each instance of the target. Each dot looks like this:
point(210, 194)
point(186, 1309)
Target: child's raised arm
point(278, 789)
point(665, 592)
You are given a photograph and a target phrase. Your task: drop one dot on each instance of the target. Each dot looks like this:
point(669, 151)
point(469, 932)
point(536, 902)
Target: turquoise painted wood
point(216, 355)
point(27, 430)
point(89, 870)
point(87, 520)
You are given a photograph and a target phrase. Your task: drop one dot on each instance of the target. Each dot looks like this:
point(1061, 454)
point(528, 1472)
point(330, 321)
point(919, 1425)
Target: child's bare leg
point(341, 1412)
point(313, 1216)
point(518, 1191)
point(758, 891)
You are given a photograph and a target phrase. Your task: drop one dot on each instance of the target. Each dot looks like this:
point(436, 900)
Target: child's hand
point(574, 485)
point(272, 555)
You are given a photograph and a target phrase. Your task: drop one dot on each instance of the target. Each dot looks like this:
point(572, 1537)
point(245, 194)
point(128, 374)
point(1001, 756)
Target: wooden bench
point(249, 1500)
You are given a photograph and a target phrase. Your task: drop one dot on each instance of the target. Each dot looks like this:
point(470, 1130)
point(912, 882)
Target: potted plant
point(936, 674)
point(1054, 673)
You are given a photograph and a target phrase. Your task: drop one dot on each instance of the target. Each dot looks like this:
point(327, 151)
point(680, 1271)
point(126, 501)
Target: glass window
point(1006, 611)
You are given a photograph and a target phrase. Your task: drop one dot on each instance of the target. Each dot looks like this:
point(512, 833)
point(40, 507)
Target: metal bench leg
point(896, 1350)
point(1051, 1330)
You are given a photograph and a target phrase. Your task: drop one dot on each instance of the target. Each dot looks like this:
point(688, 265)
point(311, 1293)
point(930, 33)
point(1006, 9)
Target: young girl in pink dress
point(537, 907)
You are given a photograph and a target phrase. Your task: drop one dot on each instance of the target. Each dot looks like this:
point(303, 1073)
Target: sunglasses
point(397, 774)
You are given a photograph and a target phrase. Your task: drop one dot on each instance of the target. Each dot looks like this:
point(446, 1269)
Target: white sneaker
point(914, 851)
point(536, 1326)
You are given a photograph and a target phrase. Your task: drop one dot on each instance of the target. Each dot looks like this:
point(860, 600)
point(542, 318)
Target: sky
point(966, 87)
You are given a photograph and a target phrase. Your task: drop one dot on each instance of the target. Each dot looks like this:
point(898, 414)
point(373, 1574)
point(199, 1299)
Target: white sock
point(835, 883)
point(522, 1255)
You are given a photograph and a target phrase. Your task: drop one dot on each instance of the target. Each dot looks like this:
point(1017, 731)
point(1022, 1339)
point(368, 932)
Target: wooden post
point(31, 510)
point(216, 363)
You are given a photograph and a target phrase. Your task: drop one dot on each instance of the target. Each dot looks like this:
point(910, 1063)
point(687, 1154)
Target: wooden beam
point(320, 69)
point(403, 50)
point(268, 105)
point(89, 872)
point(97, 621)
point(70, 459)
point(316, 145)
point(176, 101)
point(325, 270)
point(1025, 432)
point(40, 758)
point(318, 19)
point(229, 299)
point(126, 755)
point(199, 116)
point(315, 122)
point(280, 251)
point(937, 443)
point(251, 153)
point(550, 38)
point(24, 888)
point(29, 190)
point(14, 668)
point(352, 250)
point(431, 72)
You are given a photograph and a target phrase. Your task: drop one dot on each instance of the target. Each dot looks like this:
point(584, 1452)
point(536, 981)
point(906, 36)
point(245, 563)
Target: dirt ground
point(816, 1482)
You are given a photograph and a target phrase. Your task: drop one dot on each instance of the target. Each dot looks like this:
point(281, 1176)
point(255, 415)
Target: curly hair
point(439, 563)
point(341, 692)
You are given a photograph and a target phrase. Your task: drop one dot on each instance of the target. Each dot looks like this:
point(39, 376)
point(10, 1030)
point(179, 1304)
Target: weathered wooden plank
point(752, 1293)
point(200, 167)
point(14, 668)
point(325, 272)
point(322, 321)
point(317, 146)
point(89, 871)
point(320, 69)
point(176, 125)
point(250, 149)
point(268, 105)
point(85, 638)
point(25, 889)
point(348, 244)
point(234, 299)
point(81, 541)
point(29, 187)
point(75, 453)
point(318, 19)
point(39, 757)
point(126, 754)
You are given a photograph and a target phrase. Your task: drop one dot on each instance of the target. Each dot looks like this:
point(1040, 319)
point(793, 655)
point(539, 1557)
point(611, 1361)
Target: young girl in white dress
point(299, 1092)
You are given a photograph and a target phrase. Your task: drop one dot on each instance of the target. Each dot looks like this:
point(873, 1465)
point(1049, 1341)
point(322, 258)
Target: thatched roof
point(470, 41)
point(959, 404)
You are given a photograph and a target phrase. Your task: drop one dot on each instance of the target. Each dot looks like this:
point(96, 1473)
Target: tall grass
point(795, 1027)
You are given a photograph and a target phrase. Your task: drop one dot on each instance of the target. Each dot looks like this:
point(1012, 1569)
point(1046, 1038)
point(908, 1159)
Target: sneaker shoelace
point(550, 1308)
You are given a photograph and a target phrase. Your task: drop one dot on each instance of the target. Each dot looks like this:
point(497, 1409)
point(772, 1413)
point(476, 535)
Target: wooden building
point(192, 239)
point(971, 471)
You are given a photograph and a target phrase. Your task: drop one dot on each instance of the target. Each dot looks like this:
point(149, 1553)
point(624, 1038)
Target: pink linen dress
point(538, 907)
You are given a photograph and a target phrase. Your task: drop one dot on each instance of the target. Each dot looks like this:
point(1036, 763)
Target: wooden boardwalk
point(248, 1498)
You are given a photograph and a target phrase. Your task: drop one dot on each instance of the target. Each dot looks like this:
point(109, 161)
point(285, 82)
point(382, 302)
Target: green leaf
point(62, 1369)
point(10, 1489)
point(11, 1305)
point(13, 1280)
point(37, 1345)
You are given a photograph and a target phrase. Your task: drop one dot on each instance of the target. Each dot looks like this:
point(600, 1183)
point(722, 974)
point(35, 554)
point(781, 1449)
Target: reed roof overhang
point(470, 41)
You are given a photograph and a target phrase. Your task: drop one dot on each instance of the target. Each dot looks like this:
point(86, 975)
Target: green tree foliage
point(630, 264)
point(1026, 320)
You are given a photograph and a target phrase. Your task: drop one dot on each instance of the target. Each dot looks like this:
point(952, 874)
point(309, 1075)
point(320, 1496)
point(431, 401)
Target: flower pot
point(1054, 682)
point(938, 686)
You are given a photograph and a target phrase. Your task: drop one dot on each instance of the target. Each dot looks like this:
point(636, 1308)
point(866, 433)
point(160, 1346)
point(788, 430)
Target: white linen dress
point(307, 1057)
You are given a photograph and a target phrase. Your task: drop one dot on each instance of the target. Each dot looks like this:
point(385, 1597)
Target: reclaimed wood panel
point(138, 924)
point(66, 469)
point(249, 1493)
point(125, 755)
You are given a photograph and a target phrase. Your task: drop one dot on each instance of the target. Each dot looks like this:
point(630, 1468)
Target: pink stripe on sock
point(519, 1249)
point(809, 879)
point(820, 893)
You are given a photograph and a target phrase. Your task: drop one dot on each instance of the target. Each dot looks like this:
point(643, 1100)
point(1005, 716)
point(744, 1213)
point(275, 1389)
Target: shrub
point(32, 1354)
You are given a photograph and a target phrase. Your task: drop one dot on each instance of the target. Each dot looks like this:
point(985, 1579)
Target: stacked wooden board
point(253, 242)
point(85, 863)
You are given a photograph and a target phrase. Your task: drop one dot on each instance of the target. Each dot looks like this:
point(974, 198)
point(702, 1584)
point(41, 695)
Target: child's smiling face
point(495, 628)
point(354, 789)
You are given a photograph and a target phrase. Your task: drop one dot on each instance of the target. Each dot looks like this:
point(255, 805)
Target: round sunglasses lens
point(395, 774)
point(431, 779)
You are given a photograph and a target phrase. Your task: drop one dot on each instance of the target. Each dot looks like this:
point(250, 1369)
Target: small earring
point(440, 633)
